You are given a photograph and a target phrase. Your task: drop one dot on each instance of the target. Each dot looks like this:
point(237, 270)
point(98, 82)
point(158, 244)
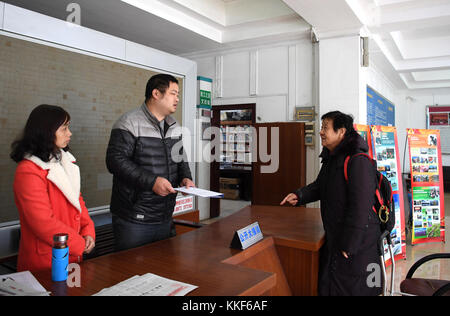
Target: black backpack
point(384, 203)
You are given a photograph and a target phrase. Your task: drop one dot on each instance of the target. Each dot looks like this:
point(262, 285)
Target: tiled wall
point(94, 91)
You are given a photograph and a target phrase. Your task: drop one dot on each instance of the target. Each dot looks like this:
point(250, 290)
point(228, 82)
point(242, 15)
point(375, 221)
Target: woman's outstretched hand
point(291, 198)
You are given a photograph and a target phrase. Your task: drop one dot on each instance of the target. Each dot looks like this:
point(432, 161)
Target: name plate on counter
point(246, 237)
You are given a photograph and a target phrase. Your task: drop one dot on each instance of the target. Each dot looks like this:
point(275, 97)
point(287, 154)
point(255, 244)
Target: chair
point(425, 287)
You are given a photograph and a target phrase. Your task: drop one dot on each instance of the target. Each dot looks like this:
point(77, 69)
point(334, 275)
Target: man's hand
point(90, 244)
point(291, 198)
point(187, 183)
point(163, 187)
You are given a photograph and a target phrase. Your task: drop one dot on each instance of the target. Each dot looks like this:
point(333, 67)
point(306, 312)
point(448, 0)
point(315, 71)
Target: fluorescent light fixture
point(388, 2)
point(178, 17)
point(434, 75)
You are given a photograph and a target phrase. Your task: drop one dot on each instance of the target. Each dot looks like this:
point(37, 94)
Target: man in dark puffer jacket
point(146, 167)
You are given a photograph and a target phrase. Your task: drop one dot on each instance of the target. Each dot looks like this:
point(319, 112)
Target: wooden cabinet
point(271, 188)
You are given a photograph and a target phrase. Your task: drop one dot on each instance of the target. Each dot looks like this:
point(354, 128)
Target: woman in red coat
point(47, 191)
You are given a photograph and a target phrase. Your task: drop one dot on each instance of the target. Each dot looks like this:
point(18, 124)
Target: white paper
point(200, 192)
point(21, 284)
point(148, 285)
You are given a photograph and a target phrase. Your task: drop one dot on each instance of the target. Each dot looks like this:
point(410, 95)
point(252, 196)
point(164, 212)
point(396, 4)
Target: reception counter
point(285, 262)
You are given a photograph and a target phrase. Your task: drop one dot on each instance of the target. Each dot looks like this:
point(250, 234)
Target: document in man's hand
point(200, 192)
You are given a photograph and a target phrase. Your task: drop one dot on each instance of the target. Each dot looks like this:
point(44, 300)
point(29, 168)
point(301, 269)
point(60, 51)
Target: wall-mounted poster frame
point(438, 117)
point(380, 111)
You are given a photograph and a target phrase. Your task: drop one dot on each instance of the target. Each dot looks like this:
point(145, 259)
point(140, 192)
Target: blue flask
point(60, 257)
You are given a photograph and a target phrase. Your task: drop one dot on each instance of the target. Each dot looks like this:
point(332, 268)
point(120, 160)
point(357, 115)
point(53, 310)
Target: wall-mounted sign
point(306, 114)
point(438, 117)
point(204, 93)
point(380, 111)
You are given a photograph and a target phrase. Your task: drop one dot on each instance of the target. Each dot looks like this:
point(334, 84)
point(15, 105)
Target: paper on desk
point(199, 192)
point(21, 284)
point(148, 285)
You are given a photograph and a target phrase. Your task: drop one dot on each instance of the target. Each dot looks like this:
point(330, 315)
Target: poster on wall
point(364, 131)
point(380, 111)
point(385, 152)
point(427, 185)
point(438, 117)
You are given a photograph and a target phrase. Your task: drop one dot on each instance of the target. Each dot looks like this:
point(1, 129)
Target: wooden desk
point(293, 237)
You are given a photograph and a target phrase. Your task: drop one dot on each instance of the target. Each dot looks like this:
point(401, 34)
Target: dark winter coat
point(350, 223)
point(139, 152)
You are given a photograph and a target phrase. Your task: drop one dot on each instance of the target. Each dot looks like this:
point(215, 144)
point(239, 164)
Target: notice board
point(380, 111)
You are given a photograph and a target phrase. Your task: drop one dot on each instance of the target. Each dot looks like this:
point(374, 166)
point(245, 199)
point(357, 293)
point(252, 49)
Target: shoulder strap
point(347, 160)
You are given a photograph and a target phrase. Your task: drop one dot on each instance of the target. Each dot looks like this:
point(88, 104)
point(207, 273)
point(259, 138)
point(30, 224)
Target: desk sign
point(246, 237)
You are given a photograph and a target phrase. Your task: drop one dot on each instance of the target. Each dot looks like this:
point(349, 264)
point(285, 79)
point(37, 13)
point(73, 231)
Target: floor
point(436, 269)
point(227, 207)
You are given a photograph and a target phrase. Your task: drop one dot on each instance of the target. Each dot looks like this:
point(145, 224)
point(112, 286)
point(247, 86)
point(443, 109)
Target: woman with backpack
point(349, 262)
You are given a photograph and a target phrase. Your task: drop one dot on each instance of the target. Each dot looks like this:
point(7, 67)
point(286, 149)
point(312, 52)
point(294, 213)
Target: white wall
point(410, 108)
point(340, 77)
point(412, 113)
point(34, 27)
point(31, 26)
point(277, 77)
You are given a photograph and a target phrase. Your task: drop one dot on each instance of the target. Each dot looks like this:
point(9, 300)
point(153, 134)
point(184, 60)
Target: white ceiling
point(410, 39)
point(413, 35)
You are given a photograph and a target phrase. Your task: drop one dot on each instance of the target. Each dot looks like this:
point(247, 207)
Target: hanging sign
point(385, 152)
point(427, 185)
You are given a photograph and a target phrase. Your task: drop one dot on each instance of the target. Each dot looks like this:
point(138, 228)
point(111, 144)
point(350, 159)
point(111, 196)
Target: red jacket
point(48, 198)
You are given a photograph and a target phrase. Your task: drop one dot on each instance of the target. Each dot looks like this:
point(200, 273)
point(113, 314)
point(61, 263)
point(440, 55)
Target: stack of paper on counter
point(148, 285)
point(21, 284)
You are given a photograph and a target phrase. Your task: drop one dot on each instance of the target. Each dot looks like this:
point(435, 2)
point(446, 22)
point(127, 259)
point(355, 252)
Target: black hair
point(38, 137)
point(160, 82)
point(340, 120)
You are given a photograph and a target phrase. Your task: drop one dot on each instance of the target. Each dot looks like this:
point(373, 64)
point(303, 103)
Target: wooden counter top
point(198, 257)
